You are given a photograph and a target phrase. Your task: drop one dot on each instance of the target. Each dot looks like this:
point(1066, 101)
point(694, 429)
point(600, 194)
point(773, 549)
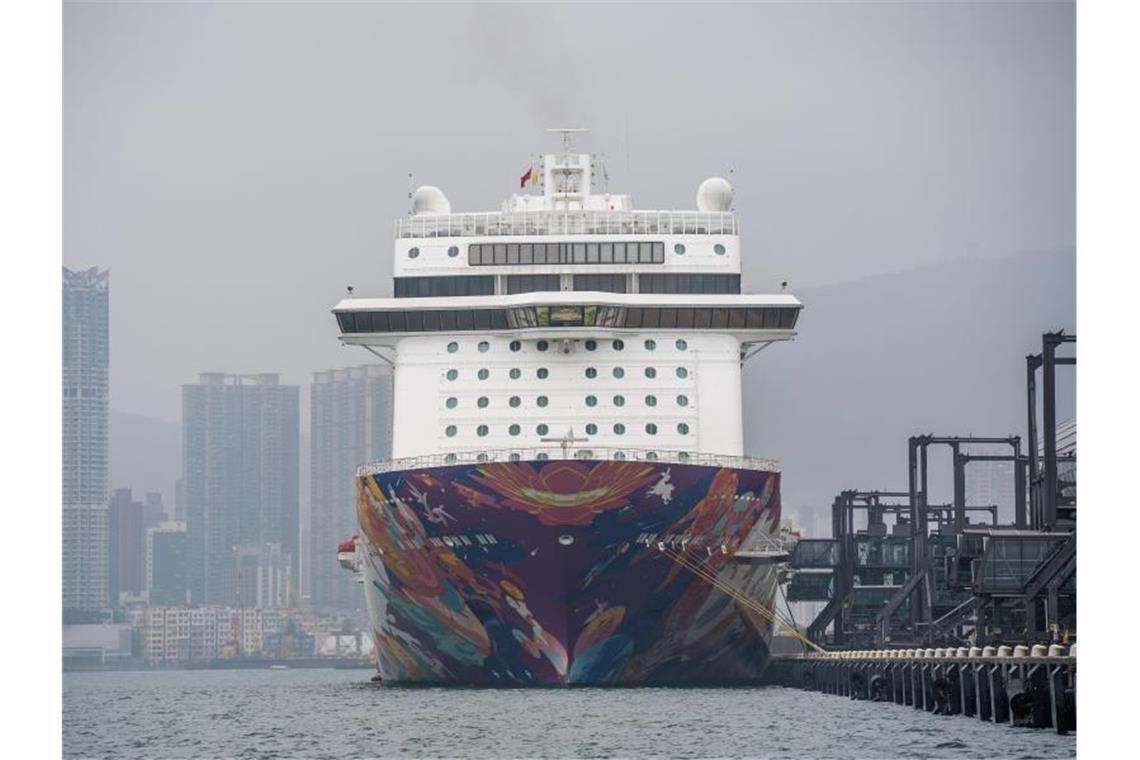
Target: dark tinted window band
point(605, 283)
point(688, 283)
point(518, 317)
point(511, 254)
point(428, 287)
point(531, 283)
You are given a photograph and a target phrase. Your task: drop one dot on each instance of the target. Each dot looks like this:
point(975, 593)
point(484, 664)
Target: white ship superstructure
point(567, 311)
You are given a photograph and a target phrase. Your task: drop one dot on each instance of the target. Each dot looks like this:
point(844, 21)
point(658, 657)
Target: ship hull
point(554, 573)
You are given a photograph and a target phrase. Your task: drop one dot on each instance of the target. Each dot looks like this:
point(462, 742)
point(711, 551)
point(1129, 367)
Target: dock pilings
point(1020, 686)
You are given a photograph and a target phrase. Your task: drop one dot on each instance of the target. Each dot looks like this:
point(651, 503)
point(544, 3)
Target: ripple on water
point(337, 713)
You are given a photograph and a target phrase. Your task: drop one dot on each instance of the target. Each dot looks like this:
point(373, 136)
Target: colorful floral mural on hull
point(549, 573)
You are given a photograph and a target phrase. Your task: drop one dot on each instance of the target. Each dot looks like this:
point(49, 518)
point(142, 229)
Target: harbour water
point(338, 713)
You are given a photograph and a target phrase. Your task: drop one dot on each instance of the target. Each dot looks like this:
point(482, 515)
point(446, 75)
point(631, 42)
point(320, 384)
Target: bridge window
point(605, 283)
point(438, 287)
point(532, 283)
point(688, 283)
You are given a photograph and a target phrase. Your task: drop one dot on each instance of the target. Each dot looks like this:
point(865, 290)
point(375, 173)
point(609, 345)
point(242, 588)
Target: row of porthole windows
point(679, 249)
point(542, 429)
point(452, 252)
point(619, 372)
point(542, 456)
point(542, 373)
point(515, 401)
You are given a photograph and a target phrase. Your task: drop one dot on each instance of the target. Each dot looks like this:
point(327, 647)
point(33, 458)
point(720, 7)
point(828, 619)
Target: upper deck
point(566, 222)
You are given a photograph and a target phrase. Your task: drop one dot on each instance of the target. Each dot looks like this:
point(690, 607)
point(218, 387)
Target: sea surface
point(339, 714)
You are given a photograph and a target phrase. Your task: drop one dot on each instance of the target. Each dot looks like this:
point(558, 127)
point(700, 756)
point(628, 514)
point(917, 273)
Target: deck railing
point(514, 223)
point(573, 452)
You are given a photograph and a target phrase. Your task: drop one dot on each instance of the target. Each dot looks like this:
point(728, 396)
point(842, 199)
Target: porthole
point(682, 372)
point(591, 345)
point(453, 251)
point(591, 429)
point(452, 347)
point(543, 373)
point(682, 344)
point(452, 374)
point(619, 455)
point(651, 428)
point(619, 372)
point(650, 372)
point(650, 345)
point(514, 430)
point(484, 346)
point(651, 455)
point(683, 428)
point(619, 345)
point(542, 401)
point(591, 400)
point(619, 428)
point(452, 402)
point(542, 456)
point(679, 249)
point(683, 455)
point(481, 431)
point(515, 456)
point(651, 400)
point(619, 400)
point(542, 345)
point(451, 431)
point(483, 457)
point(483, 401)
point(484, 374)
point(542, 429)
point(591, 372)
point(515, 401)
point(449, 459)
point(516, 345)
point(413, 252)
point(682, 400)
point(516, 373)
point(718, 249)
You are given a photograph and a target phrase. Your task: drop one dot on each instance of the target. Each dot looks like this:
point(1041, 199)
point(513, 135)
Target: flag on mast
point(531, 177)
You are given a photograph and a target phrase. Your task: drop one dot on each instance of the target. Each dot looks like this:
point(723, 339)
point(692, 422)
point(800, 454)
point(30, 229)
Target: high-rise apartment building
point(127, 548)
point(351, 423)
point(86, 357)
point(166, 564)
point(240, 438)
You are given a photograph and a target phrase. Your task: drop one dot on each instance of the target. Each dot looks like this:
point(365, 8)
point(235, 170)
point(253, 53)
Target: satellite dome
point(430, 200)
point(714, 194)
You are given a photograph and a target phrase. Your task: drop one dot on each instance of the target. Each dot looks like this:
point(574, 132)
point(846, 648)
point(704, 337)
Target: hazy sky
point(236, 165)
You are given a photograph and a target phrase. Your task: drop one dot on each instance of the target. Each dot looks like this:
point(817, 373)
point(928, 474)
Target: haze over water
point(337, 713)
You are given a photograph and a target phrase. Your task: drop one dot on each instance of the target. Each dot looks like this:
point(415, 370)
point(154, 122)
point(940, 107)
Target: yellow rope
point(737, 595)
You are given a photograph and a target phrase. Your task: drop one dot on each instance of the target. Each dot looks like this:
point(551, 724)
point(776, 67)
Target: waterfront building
point(240, 438)
point(127, 548)
point(86, 357)
point(350, 424)
point(166, 564)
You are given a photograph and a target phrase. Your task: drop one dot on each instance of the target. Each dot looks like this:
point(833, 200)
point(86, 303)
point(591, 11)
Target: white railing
point(573, 452)
point(514, 223)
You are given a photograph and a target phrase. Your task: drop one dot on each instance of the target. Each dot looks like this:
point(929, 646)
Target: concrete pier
point(1021, 686)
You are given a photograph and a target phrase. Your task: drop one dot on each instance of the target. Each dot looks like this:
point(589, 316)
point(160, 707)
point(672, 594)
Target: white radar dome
point(714, 194)
point(430, 200)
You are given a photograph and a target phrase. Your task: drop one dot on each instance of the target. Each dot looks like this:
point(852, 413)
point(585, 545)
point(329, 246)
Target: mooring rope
point(736, 594)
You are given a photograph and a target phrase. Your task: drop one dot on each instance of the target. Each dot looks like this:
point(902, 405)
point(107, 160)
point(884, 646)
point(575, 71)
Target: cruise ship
point(568, 500)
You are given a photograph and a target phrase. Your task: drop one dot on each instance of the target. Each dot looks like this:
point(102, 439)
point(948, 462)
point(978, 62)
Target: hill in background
point(940, 349)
